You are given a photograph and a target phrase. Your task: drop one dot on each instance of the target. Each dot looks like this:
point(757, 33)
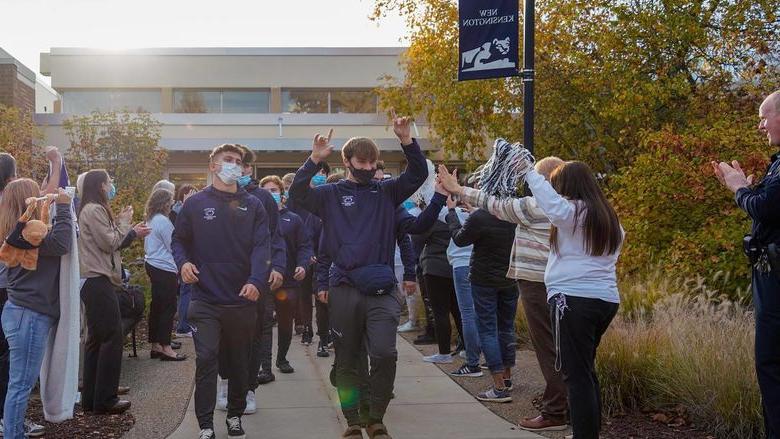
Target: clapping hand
point(402, 127)
point(321, 148)
point(125, 215)
point(449, 181)
point(732, 176)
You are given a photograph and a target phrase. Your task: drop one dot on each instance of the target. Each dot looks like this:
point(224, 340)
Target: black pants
point(581, 328)
point(4, 356)
point(429, 324)
point(323, 320)
point(229, 328)
point(305, 295)
point(766, 299)
point(103, 350)
point(262, 340)
point(165, 286)
point(285, 302)
point(441, 291)
point(363, 323)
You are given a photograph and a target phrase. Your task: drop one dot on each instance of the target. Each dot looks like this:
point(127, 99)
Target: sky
point(121, 24)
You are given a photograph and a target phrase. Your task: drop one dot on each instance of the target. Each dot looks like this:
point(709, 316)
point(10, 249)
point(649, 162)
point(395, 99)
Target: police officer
point(762, 203)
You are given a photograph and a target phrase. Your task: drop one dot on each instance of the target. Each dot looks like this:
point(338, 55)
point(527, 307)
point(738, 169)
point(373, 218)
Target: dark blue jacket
point(762, 204)
point(278, 248)
point(226, 236)
point(405, 224)
point(358, 221)
point(298, 245)
point(311, 222)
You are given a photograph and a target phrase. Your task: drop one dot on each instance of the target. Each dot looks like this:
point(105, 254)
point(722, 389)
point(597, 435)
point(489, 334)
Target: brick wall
point(14, 92)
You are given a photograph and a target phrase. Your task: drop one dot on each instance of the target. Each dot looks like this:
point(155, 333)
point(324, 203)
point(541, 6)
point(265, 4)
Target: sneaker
point(183, 334)
point(251, 403)
point(307, 337)
point(438, 359)
point(322, 349)
point(462, 354)
point(495, 395)
point(285, 367)
point(234, 428)
point(425, 339)
point(508, 385)
point(468, 371)
point(409, 326)
point(542, 423)
point(31, 429)
point(207, 433)
point(265, 377)
point(222, 391)
point(484, 366)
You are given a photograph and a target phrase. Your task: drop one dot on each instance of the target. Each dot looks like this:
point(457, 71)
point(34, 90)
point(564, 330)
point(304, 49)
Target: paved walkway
point(428, 404)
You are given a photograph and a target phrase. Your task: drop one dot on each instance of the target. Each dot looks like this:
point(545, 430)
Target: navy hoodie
point(311, 223)
point(358, 221)
point(298, 242)
point(278, 248)
point(226, 236)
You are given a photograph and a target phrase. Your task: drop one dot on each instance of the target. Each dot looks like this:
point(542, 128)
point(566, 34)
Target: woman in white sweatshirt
point(581, 280)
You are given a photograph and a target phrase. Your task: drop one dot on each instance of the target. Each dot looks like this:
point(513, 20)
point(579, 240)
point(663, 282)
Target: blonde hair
point(272, 179)
point(13, 203)
point(547, 165)
point(160, 201)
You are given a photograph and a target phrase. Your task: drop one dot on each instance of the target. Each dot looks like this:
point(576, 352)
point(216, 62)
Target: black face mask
point(363, 176)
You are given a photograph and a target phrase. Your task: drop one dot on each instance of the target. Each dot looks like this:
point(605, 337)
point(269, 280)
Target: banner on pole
point(488, 39)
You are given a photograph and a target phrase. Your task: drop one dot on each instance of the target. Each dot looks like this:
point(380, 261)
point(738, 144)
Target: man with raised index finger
point(358, 233)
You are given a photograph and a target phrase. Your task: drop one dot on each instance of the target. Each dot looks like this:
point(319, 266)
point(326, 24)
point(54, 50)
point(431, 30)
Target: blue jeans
point(27, 333)
point(185, 293)
point(496, 309)
point(467, 314)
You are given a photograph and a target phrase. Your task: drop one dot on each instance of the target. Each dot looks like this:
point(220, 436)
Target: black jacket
point(492, 239)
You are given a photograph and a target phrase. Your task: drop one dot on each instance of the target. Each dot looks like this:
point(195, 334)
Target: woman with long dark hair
point(100, 240)
point(162, 272)
point(581, 280)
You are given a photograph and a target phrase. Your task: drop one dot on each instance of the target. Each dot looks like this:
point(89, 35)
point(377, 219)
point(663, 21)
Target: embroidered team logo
point(209, 213)
point(348, 200)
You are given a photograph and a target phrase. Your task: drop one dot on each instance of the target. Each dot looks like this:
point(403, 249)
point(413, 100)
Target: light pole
point(528, 74)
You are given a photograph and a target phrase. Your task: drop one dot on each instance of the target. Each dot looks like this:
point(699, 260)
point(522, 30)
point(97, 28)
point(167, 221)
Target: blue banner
point(488, 39)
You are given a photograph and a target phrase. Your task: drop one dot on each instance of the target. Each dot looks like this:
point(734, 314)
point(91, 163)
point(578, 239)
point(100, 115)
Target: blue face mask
point(409, 205)
point(318, 180)
point(277, 197)
point(112, 192)
point(244, 180)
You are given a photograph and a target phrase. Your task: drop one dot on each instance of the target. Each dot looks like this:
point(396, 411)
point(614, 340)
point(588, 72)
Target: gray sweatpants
point(357, 320)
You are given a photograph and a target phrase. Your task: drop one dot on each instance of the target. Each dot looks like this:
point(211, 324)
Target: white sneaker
point(409, 326)
point(251, 404)
point(222, 390)
point(438, 359)
point(182, 335)
point(207, 433)
point(31, 429)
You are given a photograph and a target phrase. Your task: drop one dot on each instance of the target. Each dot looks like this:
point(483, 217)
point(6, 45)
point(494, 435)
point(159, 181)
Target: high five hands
point(732, 176)
point(402, 127)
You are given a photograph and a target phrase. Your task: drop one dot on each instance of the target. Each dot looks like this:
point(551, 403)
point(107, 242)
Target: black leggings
point(441, 291)
point(285, 302)
point(4, 356)
point(103, 350)
point(165, 285)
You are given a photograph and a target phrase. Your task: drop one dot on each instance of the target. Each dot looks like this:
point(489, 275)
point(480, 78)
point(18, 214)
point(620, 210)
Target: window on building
point(87, 101)
point(221, 101)
point(328, 101)
point(197, 179)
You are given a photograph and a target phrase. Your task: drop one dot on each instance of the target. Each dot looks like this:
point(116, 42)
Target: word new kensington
point(488, 16)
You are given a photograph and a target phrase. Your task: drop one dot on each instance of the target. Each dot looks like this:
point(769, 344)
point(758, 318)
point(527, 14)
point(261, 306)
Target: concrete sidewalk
point(428, 404)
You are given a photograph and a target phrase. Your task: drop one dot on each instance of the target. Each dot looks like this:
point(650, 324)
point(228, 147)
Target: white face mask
point(229, 173)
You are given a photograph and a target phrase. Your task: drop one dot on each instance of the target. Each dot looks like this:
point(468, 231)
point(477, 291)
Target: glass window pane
point(238, 101)
point(85, 102)
point(197, 179)
point(362, 101)
point(196, 101)
point(136, 101)
point(304, 101)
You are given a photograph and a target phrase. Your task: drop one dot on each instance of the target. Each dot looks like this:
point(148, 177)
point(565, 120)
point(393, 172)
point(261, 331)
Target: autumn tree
point(19, 137)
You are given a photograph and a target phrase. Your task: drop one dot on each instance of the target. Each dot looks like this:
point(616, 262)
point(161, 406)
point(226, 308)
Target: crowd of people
point(228, 262)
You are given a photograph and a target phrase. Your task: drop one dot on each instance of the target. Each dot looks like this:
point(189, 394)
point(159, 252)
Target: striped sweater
point(532, 235)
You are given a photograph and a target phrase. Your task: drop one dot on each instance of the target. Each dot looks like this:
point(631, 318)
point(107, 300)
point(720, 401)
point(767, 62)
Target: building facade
point(17, 84)
point(274, 100)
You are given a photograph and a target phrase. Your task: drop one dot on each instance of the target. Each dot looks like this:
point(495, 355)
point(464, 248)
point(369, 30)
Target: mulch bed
point(83, 425)
point(649, 426)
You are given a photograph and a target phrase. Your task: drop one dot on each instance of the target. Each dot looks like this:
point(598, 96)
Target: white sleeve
point(558, 210)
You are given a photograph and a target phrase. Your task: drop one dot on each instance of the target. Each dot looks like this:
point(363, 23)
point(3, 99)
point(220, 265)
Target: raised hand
point(62, 196)
point(402, 127)
point(732, 175)
point(126, 215)
point(449, 180)
point(321, 148)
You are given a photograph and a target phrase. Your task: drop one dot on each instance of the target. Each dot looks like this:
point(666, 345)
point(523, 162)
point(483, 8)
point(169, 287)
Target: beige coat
point(99, 243)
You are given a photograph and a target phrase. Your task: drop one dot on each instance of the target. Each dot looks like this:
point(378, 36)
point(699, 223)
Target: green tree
point(19, 137)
